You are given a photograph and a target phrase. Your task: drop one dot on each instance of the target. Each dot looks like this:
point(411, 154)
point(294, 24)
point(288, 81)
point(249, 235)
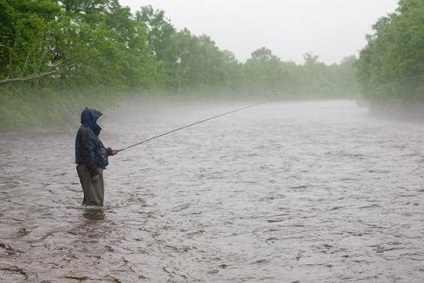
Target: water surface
point(282, 192)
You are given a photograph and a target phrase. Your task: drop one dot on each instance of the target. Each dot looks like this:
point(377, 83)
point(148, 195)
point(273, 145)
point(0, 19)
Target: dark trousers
point(93, 192)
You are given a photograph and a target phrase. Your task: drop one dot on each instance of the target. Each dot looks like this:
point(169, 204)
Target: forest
point(390, 69)
point(57, 55)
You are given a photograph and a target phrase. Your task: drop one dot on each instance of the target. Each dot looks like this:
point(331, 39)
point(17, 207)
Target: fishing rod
point(195, 123)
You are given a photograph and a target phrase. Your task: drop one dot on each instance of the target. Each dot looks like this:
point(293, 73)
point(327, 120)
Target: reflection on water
point(94, 213)
point(282, 192)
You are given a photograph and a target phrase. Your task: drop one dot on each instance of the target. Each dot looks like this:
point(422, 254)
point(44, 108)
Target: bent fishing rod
point(195, 123)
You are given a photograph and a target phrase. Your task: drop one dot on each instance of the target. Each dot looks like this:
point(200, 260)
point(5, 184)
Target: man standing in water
point(91, 157)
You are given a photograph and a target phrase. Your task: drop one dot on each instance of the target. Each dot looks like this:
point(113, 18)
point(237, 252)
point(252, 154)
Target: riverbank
point(408, 111)
point(47, 110)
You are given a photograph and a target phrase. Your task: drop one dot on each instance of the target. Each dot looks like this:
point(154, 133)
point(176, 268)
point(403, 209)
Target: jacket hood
point(89, 119)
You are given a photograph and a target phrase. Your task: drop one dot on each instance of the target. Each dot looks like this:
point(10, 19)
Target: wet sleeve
point(88, 149)
point(109, 151)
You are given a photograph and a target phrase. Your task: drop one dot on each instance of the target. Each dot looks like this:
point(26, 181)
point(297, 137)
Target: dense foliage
point(390, 67)
point(56, 55)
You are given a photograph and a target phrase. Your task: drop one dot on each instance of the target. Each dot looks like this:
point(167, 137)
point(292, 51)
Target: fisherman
point(91, 157)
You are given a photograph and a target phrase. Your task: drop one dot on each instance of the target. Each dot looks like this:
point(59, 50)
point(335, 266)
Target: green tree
point(106, 46)
point(390, 67)
point(27, 45)
point(264, 73)
point(161, 39)
point(316, 79)
point(201, 65)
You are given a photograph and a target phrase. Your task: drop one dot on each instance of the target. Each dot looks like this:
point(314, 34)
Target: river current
point(282, 192)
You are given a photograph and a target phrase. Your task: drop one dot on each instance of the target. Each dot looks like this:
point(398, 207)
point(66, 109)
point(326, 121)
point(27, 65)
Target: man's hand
point(115, 151)
point(95, 179)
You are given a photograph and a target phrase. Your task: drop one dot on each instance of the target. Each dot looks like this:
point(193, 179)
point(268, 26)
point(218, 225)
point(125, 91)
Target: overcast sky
point(331, 29)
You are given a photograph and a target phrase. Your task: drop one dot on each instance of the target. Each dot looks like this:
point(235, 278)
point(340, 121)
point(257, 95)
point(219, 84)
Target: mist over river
point(282, 192)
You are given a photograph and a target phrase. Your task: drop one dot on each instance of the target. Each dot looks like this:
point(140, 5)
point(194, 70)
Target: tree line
point(54, 52)
point(390, 67)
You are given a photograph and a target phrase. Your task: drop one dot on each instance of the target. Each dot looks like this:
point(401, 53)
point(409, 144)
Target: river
point(282, 192)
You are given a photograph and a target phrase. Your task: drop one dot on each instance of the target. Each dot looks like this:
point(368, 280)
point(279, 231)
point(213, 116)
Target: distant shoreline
point(400, 111)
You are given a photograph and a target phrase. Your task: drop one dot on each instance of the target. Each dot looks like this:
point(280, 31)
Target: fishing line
point(195, 123)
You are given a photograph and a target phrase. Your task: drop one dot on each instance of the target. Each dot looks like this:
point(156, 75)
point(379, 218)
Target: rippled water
point(282, 192)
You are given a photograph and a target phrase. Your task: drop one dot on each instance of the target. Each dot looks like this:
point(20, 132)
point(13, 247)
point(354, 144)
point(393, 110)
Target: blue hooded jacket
point(89, 150)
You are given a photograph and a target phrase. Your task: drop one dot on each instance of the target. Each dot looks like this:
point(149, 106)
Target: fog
point(331, 29)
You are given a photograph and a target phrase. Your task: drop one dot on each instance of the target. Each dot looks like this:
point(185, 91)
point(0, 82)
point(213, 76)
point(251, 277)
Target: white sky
point(331, 29)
